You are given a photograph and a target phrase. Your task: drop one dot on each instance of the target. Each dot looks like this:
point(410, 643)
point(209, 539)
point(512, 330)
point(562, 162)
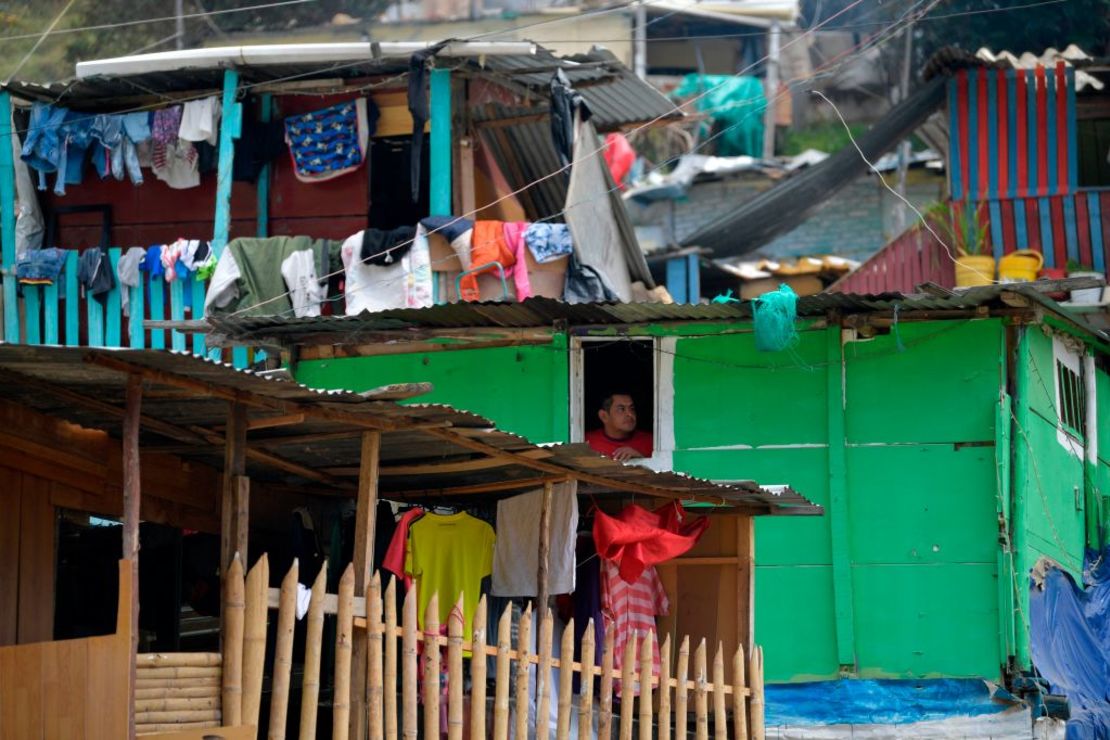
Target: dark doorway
point(614, 366)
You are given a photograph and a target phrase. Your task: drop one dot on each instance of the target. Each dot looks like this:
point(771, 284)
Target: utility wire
point(41, 38)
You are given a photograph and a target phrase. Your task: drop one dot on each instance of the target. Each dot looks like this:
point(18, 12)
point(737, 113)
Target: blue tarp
point(1069, 631)
point(863, 702)
point(736, 104)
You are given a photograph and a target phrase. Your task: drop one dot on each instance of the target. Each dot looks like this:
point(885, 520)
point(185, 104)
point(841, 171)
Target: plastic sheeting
point(736, 105)
point(1069, 631)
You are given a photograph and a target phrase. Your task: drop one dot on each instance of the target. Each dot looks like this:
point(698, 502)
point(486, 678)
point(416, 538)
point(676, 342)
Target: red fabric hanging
point(636, 538)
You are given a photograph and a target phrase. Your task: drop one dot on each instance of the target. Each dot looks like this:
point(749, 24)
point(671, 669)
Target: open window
point(603, 366)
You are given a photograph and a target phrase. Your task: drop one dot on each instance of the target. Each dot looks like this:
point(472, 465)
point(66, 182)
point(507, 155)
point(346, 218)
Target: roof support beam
point(132, 487)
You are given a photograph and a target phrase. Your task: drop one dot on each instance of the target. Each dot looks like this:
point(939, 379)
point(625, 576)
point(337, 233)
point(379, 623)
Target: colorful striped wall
point(1013, 133)
point(1071, 227)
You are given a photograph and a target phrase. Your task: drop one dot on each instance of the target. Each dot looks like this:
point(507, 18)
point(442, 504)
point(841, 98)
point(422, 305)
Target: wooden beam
point(477, 488)
point(132, 488)
point(299, 439)
point(268, 422)
point(235, 467)
point(366, 512)
point(745, 582)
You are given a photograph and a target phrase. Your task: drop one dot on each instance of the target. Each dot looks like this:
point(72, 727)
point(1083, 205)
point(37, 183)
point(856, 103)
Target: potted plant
point(963, 229)
point(1085, 296)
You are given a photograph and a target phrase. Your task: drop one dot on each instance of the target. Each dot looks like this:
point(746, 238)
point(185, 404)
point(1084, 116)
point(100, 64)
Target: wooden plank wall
point(70, 688)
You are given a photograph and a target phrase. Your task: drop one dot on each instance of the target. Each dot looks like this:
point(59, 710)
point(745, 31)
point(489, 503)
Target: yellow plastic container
point(974, 269)
point(1020, 267)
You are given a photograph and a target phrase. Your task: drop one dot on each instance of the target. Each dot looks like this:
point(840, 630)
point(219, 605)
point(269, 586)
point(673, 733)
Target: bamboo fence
point(663, 708)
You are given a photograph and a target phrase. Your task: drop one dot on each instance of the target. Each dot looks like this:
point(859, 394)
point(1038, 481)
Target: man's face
point(620, 419)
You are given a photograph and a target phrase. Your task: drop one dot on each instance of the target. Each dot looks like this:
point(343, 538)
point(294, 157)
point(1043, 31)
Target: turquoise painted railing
point(60, 314)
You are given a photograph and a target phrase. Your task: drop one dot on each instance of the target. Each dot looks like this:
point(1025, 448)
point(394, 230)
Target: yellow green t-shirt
point(449, 554)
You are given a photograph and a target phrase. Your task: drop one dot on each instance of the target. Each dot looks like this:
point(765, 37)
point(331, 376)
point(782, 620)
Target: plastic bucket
point(1086, 296)
point(1020, 266)
point(974, 269)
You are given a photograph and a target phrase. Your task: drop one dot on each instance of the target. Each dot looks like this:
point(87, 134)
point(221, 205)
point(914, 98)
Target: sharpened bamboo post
point(739, 708)
point(543, 677)
point(431, 668)
point(366, 511)
point(389, 689)
point(605, 700)
point(586, 693)
point(283, 654)
point(646, 703)
point(455, 671)
point(254, 639)
point(523, 664)
point(755, 679)
point(544, 561)
point(132, 494)
point(502, 677)
point(628, 687)
point(566, 681)
point(314, 636)
point(665, 689)
point(344, 627)
point(409, 667)
point(701, 696)
point(375, 636)
point(682, 675)
point(720, 716)
point(478, 665)
point(234, 603)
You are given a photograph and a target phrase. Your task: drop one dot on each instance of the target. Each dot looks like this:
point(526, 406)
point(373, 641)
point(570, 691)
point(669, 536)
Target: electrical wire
point(41, 38)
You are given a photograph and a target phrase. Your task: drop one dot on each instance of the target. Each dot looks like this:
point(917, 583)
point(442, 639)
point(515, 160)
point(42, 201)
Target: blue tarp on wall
point(1069, 630)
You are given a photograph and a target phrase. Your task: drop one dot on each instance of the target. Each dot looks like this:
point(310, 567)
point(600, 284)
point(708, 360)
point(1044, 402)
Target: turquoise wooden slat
point(72, 301)
point(94, 315)
point(114, 309)
point(136, 332)
point(7, 220)
point(50, 313)
point(231, 123)
point(157, 311)
point(1021, 234)
point(1070, 231)
point(239, 358)
point(33, 313)
point(177, 313)
point(996, 227)
point(1047, 248)
point(262, 230)
point(954, 150)
point(1094, 212)
point(197, 286)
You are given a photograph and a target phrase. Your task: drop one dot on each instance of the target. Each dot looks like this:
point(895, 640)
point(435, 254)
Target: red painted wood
point(1082, 225)
point(1033, 224)
point(961, 105)
point(1104, 217)
point(1059, 234)
point(984, 140)
point(1042, 128)
point(1061, 128)
point(1021, 137)
point(1003, 153)
point(1009, 237)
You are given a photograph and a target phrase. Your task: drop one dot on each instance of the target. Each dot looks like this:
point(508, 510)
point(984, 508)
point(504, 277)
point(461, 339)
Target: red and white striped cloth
point(630, 609)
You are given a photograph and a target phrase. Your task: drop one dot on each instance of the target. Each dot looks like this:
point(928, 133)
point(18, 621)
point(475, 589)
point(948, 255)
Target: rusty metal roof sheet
point(186, 403)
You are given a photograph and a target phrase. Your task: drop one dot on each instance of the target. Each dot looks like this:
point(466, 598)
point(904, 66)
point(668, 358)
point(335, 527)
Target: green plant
point(962, 225)
point(1077, 266)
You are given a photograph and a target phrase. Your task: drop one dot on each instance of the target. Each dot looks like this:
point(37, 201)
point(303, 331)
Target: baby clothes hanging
point(330, 142)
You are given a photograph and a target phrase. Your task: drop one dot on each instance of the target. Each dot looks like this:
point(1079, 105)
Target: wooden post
point(720, 720)
point(628, 687)
point(739, 706)
point(341, 698)
point(389, 688)
point(254, 638)
point(701, 697)
point(523, 664)
point(545, 550)
point(586, 695)
point(431, 668)
point(365, 522)
point(265, 111)
point(646, 703)
point(502, 678)
point(543, 678)
point(409, 667)
point(478, 672)
point(605, 700)
point(231, 123)
point(132, 491)
point(374, 679)
point(439, 196)
point(314, 636)
point(233, 643)
point(755, 680)
point(233, 532)
point(283, 654)
point(682, 674)
point(665, 689)
point(566, 680)
point(745, 581)
point(7, 221)
point(455, 671)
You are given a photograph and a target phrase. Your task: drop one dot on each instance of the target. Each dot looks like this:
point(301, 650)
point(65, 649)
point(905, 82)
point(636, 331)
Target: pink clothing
point(514, 240)
point(394, 560)
point(630, 609)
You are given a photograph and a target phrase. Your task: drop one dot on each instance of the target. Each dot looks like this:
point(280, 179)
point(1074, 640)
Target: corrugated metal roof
point(951, 59)
point(545, 312)
point(87, 387)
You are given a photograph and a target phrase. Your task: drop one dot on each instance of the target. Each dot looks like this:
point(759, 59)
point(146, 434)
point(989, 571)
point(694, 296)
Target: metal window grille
point(1072, 399)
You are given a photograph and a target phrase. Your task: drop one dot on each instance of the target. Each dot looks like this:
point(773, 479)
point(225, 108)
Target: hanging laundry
point(176, 164)
point(330, 142)
point(29, 226)
point(449, 554)
point(458, 231)
point(108, 130)
point(200, 120)
point(514, 240)
point(636, 539)
point(584, 284)
point(630, 608)
point(406, 283)
point(252, 278)
point(515, 556)
point(41, 266)
point(127, 270)
point(391, 202)
point(548, 242)
point(619, 156)
point(44, 145)
point(136, 126)
point(165, 124)
point(566, 103)
point(382, 248)
point(94, 273)
point(171, 253)
point(487, 246)
point(419, 65)
point(152, 262)
point(394, 559)
point(205, 261)
point(259, 144)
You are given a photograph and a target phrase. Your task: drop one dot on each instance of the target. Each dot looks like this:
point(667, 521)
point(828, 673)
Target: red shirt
point(640, 441)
